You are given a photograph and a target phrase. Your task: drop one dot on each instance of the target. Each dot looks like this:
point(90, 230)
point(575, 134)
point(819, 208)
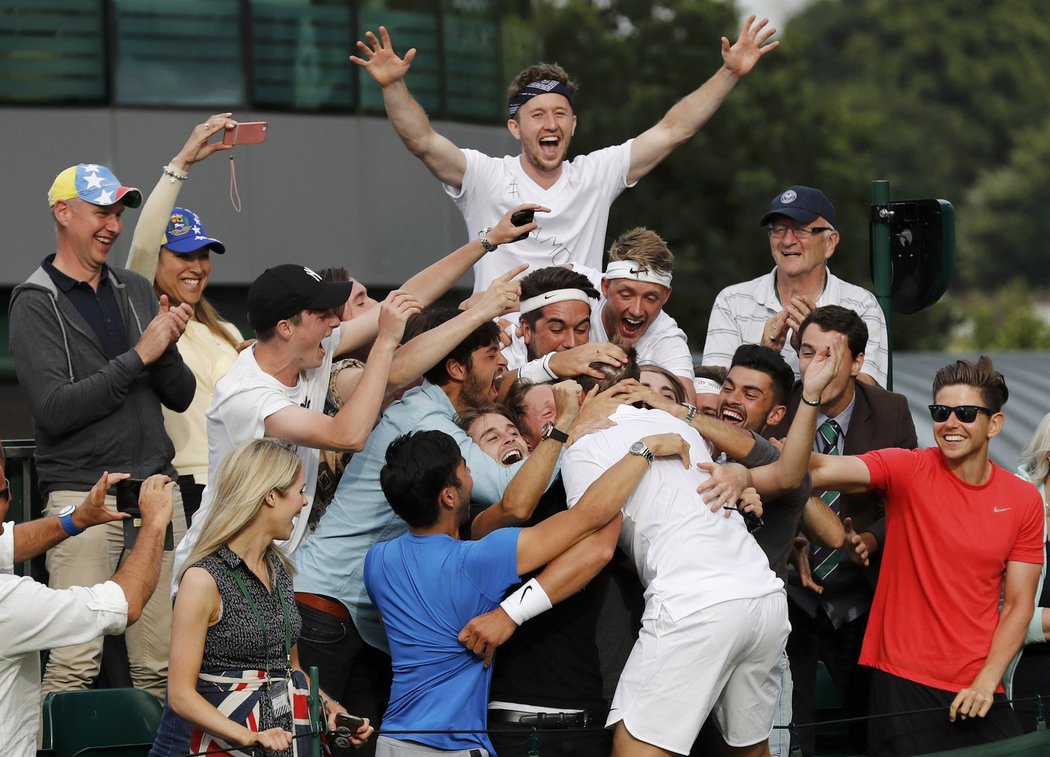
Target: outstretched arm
point(156, 212)
point(37, 536)
point(686, 117)
point(441, 157)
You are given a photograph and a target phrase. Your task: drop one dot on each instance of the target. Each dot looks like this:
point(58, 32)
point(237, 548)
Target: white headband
point(628, 269)
point(706, 386)
point(549, 298)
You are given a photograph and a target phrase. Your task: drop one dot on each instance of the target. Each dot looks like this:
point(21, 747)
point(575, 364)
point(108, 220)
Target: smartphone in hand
point(246, 133)
point(522, 218)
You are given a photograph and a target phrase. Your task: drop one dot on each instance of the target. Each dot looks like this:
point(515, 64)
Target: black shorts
point(926, 732)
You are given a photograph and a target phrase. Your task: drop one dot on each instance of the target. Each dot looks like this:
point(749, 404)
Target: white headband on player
point(628, 269)
point(549, 298)
point(706, 386)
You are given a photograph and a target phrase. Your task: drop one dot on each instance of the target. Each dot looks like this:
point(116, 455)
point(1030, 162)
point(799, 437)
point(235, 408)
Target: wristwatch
point(690, 411)
point(549, 432)
point(639, 448)
point(483, 235)
point(65, 517)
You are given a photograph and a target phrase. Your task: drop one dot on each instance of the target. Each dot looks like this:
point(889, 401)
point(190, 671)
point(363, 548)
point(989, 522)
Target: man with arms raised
point(541, 116)
point(961, 535)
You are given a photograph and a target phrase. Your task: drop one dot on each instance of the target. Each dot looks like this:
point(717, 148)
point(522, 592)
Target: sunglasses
point(965, 413)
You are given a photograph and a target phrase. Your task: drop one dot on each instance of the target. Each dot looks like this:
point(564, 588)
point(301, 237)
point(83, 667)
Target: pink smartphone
point(246, 133)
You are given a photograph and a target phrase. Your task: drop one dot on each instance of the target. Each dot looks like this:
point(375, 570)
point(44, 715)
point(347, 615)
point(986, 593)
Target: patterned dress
point(238, 652)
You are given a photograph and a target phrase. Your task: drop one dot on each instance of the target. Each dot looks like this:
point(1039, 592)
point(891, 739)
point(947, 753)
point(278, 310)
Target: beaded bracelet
point(174, 175)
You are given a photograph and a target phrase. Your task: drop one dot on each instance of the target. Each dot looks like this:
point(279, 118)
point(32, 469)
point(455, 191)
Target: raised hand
point(163, 331)
point(751, 45)
point(502, 294)
point(197, 147)
point(155, 501)
point(567, 395)
point(93, 511)
point(380, 61)
point(775, 332)
point(394, 313)
point(823, 369)
point(505, 231)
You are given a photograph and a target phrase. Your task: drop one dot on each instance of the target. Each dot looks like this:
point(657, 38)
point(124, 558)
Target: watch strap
point(549, 431)
point(68, 525)
point(483, 235)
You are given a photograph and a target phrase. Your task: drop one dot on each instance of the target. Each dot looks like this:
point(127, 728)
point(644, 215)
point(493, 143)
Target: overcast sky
point(777, 11)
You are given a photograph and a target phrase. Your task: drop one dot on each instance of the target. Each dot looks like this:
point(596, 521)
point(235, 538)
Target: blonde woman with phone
point(234, 679)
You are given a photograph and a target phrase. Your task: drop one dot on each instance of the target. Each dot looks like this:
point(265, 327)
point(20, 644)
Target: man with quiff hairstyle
point(542, 117)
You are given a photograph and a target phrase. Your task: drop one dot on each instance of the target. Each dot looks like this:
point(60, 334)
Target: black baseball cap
point(282, 291)
point(804, 204)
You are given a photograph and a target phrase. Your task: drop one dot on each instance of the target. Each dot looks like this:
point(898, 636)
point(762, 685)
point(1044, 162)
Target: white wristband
point(537, 371)
point(528, 601)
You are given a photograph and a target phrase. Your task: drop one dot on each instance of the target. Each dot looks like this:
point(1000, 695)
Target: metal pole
point(881, 265)
point(317, 724)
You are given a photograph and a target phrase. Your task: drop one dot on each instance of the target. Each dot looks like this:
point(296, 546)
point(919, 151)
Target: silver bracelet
point(483, 236)
point(174, 175)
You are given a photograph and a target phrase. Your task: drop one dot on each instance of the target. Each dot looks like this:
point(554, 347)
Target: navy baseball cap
point(804, 204)
point(282, 291)
point(186, 234)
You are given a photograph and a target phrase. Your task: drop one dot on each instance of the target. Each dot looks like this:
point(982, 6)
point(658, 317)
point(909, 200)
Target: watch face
point(638, 448)
point(545, 430)
point(67, 510)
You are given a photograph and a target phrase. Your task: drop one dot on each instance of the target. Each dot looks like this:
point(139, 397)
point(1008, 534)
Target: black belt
point(551, 720)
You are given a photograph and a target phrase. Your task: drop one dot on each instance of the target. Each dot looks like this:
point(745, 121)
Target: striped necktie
point(822, 560)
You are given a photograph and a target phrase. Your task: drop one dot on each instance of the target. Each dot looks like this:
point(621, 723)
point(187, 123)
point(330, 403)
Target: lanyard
point(258, 617)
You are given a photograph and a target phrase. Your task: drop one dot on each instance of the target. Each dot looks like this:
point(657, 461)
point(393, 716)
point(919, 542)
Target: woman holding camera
point(234, 678)
point(170, 248)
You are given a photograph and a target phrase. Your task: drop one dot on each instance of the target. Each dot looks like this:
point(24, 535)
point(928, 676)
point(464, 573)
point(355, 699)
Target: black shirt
point(99, 309)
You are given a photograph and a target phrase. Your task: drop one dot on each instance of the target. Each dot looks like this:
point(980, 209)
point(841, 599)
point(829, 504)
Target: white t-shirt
point(244, 398)
point(740, 312)
point(33, 618)
point(663, 343)
point(574, 230)
point(687, 557)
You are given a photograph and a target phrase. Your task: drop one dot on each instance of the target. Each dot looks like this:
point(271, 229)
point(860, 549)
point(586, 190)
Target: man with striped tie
point(829, 598)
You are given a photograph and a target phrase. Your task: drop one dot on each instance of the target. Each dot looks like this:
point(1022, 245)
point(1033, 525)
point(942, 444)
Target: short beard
point(474, 392)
